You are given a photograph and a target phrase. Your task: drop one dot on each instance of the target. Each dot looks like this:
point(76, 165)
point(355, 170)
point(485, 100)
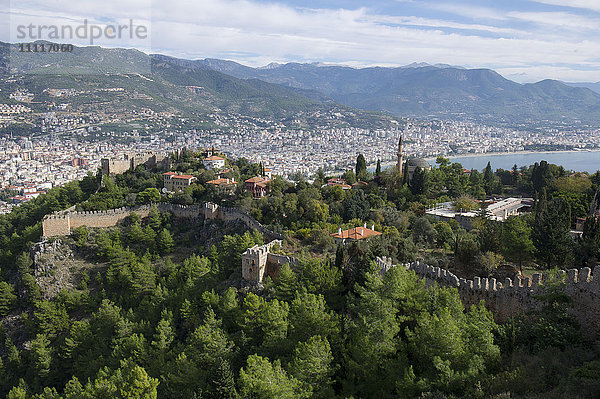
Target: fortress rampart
point(214, 211)
point(509, 298)
point(62, 223)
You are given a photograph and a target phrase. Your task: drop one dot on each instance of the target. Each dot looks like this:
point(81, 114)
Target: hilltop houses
point(175, 182)
point(355, 234)
point(258, 186)
point(223, 184)
point(498, 210)
point(336, 181)
point(214, 162)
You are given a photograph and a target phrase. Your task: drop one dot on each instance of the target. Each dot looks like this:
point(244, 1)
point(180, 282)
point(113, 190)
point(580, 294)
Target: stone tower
point(400, 164)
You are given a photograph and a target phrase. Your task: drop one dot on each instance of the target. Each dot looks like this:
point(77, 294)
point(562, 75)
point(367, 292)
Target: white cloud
point(558, 19)
point(257, 33)
point(593, 5)
point(470, 11)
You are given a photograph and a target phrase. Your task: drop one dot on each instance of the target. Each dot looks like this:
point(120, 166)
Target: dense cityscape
point(69, 147)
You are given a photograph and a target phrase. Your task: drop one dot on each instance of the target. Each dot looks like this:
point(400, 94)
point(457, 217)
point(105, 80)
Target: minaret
point(400, 164)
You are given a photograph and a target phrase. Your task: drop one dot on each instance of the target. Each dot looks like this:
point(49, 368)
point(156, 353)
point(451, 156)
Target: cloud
point(593, 5)
point(558, 19)
point(469, 10)
point(256, 34)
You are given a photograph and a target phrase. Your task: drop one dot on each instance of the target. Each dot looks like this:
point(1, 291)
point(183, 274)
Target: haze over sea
point(579, 161)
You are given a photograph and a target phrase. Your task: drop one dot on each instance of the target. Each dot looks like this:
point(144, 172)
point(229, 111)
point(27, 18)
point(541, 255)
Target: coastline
point(529, 152)
point(387, 164)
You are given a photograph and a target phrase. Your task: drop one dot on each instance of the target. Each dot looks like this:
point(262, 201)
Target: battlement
point(61, 223)
point(150, 159)
point(254, 261)
point(509, 297)
point(214, 211)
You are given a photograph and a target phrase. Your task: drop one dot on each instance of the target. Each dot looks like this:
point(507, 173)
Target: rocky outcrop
point(52, 265)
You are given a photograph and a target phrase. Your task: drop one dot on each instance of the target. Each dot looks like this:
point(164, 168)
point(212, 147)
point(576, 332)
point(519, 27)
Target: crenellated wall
point(105, 218)
point(509, 298)
point(254, 261)
point(227, 214)
point(62, 223)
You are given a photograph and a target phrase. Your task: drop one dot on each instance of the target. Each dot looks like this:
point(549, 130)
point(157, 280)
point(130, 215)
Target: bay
point(579, 161)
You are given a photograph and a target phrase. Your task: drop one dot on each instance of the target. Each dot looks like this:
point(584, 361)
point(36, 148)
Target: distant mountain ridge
point(421, 90)
point(416, 90)
point(170, 84)
point(589, 85)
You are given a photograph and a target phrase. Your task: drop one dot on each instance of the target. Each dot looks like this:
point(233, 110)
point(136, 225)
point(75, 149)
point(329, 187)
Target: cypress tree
point(339, 256)
point(488, 178)
point(361, 167)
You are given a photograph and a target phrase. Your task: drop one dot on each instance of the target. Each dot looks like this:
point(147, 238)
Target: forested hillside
point(156, 306)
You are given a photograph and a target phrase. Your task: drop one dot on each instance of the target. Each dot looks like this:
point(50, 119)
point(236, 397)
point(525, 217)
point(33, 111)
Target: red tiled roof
point(256, 179)
point(186, 177)
point(221, 182)
point(359, 183)
point(357, 233)
point(214, 158)
point(342, 185)
point(169, 174)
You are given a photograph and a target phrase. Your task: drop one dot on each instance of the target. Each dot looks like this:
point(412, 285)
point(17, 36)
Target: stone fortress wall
point(62, 223)
point(254, 261)
point(257, 262)
point(509, 298)
point(214, 211)
point(115, 166)
point(504, 299)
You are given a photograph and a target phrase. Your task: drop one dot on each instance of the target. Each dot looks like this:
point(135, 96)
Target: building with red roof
point(214, 162)
point(336, 181)
point(259, 186)
point(355, 234)
point(223, 184)
point(175, 182)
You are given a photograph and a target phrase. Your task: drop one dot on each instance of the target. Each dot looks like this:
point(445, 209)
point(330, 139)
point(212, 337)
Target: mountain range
point(148, 82)
point(416, 90)
point(589, 85)
point(422, 90)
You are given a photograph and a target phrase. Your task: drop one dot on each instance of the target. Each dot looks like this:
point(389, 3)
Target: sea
point(578, 161)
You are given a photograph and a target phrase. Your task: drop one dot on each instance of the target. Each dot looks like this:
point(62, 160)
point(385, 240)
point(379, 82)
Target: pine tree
point(164, 241)
point(378, 168)
point(225, 382)
point(154, 218)
point(551, 232)
point(7, 298)
point(312, 364)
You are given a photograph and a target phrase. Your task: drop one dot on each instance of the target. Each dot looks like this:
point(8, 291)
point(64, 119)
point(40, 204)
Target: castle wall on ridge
point(62, 223)
point(512, 297)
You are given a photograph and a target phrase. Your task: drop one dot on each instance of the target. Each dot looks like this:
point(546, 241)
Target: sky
point(524, 40)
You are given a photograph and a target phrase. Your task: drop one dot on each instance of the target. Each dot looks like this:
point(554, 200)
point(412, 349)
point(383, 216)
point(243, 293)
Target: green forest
point(158, 308)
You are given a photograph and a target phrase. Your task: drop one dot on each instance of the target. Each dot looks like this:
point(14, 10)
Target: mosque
point(411, 163)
